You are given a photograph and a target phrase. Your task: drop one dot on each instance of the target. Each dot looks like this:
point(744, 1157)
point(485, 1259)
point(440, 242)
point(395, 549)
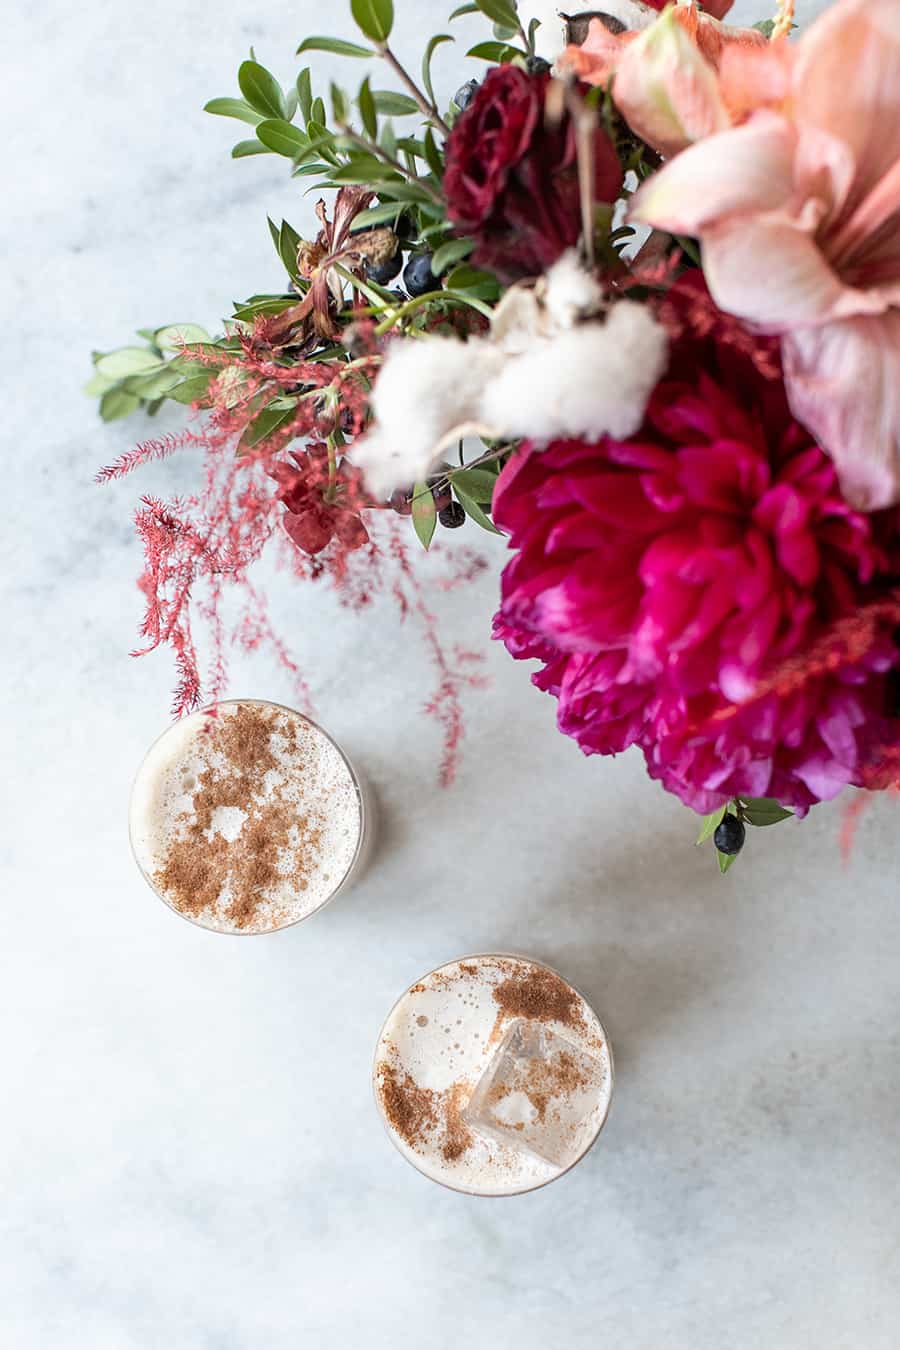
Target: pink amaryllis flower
point(687, 588)
point(798, 212)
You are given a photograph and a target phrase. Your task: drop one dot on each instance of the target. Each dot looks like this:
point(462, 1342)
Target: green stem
point(374, 149)
point(358, 284)
point(421, 301)
point(426, 107)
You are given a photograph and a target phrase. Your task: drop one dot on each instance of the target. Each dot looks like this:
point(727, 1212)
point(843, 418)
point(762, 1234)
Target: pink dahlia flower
point(664, 578)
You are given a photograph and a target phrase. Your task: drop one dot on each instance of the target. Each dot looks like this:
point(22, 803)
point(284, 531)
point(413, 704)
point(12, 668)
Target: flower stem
point(426, 107)
point(374, 149)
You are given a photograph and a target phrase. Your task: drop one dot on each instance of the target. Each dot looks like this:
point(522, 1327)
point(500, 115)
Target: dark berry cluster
point(449, 512)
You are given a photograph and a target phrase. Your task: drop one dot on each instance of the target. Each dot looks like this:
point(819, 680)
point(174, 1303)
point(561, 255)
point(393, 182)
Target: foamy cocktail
point(493, 1074)
point(247, 817)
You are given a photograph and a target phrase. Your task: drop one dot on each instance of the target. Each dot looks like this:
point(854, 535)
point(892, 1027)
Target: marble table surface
point(190, 1153)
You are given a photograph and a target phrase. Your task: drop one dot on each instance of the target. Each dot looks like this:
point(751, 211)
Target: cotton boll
point(426, 388)
point(571, 291)
point(550, 40)
point(592, 381)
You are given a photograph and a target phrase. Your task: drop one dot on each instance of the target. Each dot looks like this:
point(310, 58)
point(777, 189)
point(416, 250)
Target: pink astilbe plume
point(147, 452)
point(290, 489)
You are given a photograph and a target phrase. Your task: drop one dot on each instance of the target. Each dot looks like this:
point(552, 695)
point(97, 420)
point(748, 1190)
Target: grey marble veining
point(190, 1154)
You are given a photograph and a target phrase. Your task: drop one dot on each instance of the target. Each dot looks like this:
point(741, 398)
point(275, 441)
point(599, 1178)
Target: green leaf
point(710, 824)
point(264, 424)
point(97, 386)
point(472, 509)
point(152, 386)
point(388, 140)
point(483, 285)
point(340, 108)
point(502, 12)
point(464, 9)
point(244, 149)
point(321, 142)
point(314, 170)
point(433, 156)
point(117, 403)
point(194, 389)
point(319, 116)
point(261, 89)
point(304, 93)
point(424, 514)
point(367, 110)
point(366, 169)
point(504, 33)
point(390, 104)
point(375, 18)
point(427, 59)
point(337, 46)
point(174, 336)
point(496, 52)
point(762, 811)
point(282, 137)
point(377, 215)
point(450, 253)
point(126, 361)
point(271, 304)
point(726, 860)
point(765, 26)
point(288, 244)
point(232, 107)
point(475, 483)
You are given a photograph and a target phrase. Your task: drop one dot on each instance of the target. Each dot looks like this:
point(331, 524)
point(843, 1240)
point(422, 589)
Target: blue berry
point(729, 837)
point(383, 273)
point(463, 97)
point(418, 277)
point(452, 516)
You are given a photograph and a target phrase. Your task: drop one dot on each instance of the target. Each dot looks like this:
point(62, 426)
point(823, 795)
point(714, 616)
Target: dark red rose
point(317, 510)
point(512, 179)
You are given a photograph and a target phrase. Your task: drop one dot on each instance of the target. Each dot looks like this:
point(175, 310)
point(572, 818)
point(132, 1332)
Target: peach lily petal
point(769, 271)
point(847, 82)
point(843, 381)
point(748, 168)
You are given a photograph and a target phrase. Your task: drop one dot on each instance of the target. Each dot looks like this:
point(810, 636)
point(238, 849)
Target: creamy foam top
point(435, 1047)
point(246, 821)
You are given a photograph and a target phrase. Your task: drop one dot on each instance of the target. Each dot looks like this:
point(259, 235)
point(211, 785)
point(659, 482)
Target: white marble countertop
point(191, 1157)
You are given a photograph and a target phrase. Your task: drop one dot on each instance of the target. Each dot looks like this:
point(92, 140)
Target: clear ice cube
point(539, 1094)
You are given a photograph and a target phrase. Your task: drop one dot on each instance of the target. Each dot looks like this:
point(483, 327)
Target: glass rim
point(464, 1190)
point(355, 779)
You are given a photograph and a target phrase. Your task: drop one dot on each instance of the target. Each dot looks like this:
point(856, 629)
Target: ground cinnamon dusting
point(411, 1110)
point(541, 995)
point(419, 1114)
point(459, 1136)
point(276, 843)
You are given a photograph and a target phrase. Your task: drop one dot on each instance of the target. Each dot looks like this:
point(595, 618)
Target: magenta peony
point(664, 578)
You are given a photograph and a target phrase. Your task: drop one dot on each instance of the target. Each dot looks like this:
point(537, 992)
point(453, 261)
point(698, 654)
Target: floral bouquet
point(631, 300)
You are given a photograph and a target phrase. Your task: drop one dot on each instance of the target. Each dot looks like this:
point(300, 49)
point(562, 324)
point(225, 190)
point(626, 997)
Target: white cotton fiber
point(590, 381)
